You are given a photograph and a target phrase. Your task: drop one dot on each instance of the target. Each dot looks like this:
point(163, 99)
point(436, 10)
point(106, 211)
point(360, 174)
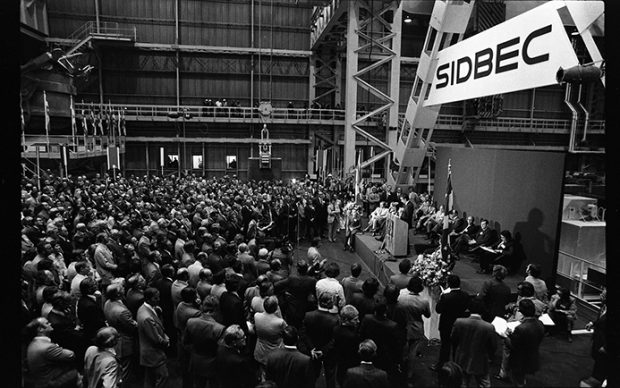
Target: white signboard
point(524, 52)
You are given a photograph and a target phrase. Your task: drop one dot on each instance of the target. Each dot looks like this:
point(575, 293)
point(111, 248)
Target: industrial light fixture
point(408, 19)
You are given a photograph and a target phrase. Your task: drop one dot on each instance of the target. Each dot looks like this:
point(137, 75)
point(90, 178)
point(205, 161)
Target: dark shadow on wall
point(537, 246)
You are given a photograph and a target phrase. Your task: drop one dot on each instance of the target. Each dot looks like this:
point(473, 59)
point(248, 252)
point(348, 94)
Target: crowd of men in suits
point(123, 275)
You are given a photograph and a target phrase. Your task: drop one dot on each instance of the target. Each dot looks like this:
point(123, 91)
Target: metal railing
point(329, 116)
point(79, 144)
point(109, 29)
point(575, 270)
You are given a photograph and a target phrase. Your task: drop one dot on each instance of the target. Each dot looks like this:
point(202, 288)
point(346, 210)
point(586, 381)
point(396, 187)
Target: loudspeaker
point(578, 74)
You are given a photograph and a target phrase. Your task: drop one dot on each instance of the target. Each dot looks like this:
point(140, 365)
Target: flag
point(123, 123)
point(100, 118)
point(110, 119)
point(46, 108)
point(119, 123)
point(73, 123)
point(358, 176)
point(23, 121)
point(84, 126)
point(449, 199)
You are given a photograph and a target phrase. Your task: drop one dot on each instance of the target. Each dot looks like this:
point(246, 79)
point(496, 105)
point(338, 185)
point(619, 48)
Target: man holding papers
point(523, 342)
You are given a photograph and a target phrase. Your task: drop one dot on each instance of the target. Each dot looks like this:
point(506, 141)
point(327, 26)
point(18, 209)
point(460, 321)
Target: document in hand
point(546, 320)
point(501, 326)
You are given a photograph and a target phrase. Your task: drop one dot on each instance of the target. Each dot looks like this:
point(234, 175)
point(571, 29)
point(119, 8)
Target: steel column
point(350, 107)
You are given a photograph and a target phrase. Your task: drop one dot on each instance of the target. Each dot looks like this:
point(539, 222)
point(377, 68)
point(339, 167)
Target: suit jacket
point(484, 237)
point(298, 290)
point(366, 376)
point(363, 304)
point(599, 335)
point(288, 367)
point(164, 285)
point(153, 339)
point(133, 301)
point(496, 295)
point(119, 317)
point(474, 341)
point(451, 306)
point(388, 337)
point(524, 343)
point(411, 308)
point(400, 280)
point(150, 271)
point(90, 315)
point(346, 343)
point(407, 215)
point(104, 261)
point(46, 361)
point(351, 285)
point(101, 368)
point(320, 327)
point(202, 334)
point(233, 369)
point(231, 307)
point(184, 312)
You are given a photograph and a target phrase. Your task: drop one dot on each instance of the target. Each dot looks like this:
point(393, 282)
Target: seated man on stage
point(459, 241)
point(377, 219)
point(484, 238)
point(502, 252)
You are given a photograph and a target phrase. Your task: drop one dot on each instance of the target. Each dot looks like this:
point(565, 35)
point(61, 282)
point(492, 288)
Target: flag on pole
point(100, 118)
point(84, 126)
point(449, 199)
point(358, 176)
point(119, 123)
point(73, 123)
point(47, 114)
point(110, 119)
point(123, 123)
point(23, 121)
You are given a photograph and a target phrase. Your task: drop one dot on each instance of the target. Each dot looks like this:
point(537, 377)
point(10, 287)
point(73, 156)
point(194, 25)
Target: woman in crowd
point(563, 312)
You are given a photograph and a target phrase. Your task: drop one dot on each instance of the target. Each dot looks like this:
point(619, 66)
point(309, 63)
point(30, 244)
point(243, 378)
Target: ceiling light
point(408, 19)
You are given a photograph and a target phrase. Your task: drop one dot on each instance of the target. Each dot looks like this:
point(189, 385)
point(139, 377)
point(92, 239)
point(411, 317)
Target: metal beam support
point(447, 19)
point(350, 108)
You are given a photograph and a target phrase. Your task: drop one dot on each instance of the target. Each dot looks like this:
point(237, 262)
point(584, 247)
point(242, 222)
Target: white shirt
point(333, 287)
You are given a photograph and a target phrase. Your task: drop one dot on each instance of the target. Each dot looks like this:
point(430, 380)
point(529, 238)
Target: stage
point(383, 268)
point(383, 265)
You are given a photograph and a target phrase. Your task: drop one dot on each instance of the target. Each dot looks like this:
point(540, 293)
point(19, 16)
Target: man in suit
point(366, 375)
point(485, 237)
point(234, 370)
point(410, 308)
point(320, 325)
point(474, 342)
point(407, 214)
point(452, 304)
point(164, 286)
point(201, 335)
point(135, 293)
point(459, 238)
point(119, 317)
point(287, 366)
point(346, 341)
point(181, 281)
point(495, 293)
point(150, 267)
point(401, 280)
point(104, 261)
point(352, 284)
point(231, 304)
point(101, 367)
point(153, 341)
point(389, 339)
point(298, 290)
point(600, 351)
point(89, 309)
point(47, 362)
point(188, 308)
point(524, 342)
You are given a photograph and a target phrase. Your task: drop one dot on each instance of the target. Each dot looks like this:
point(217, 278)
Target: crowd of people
point(122, 275)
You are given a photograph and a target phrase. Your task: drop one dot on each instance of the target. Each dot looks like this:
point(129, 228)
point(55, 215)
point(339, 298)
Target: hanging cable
point(271, 57)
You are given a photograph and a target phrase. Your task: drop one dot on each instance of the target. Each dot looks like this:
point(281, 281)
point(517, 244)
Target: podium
point(396, 236)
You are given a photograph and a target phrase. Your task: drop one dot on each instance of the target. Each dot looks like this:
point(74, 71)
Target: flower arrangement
point(431, 268)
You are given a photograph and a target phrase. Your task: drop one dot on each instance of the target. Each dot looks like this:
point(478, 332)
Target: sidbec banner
point(524, 52)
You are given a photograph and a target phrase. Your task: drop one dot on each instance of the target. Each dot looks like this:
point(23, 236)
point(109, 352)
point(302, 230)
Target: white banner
point(524, 52)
